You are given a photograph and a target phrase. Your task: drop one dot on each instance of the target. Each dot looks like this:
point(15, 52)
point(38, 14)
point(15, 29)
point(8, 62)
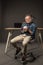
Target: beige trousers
point(25, 39)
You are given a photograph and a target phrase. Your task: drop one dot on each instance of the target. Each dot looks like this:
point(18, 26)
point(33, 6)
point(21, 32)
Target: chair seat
point(32, 40)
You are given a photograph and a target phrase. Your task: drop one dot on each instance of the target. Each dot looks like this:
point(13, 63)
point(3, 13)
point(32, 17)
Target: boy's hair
point(29, 15)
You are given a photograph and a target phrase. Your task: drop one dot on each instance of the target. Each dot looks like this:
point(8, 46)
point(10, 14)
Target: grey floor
point(8, 59)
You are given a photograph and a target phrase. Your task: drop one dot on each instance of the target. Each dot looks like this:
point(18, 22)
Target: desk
point(12, 29)
point(19, 28)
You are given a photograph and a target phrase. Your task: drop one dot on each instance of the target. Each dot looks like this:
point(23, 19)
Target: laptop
point(17, 25)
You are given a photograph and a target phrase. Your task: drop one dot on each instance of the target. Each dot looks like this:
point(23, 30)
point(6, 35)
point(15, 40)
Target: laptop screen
point(17, 25)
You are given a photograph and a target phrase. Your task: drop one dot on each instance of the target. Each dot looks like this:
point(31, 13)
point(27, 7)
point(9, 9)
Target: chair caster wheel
point(15, 57)
point(24, 62)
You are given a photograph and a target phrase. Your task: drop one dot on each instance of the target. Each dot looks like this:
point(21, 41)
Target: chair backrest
point(36, 35)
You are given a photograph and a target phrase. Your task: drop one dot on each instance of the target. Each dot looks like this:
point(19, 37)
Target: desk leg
point(40, 38)
point(7, 43)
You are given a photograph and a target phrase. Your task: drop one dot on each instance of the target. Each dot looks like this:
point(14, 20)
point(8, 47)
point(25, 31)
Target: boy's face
point(28, 19)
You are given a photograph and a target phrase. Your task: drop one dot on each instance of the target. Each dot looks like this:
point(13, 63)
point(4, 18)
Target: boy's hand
point(25, 28)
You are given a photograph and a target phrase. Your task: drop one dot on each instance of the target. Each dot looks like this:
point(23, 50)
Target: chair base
point(29, 58)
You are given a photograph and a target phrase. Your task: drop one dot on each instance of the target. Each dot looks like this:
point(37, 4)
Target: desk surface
point(19, 28)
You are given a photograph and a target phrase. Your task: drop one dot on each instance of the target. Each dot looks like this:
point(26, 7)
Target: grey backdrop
point(15, 10)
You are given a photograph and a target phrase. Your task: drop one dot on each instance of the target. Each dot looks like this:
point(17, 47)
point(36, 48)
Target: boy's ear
point(32, 18)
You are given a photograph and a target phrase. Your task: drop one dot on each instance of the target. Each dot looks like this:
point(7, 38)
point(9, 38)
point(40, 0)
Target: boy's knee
point(11, 41)
point(24, 44)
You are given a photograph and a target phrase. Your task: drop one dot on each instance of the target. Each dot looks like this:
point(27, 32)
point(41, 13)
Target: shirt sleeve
point(22, 28)
point(33, 28)
point(23, 24)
